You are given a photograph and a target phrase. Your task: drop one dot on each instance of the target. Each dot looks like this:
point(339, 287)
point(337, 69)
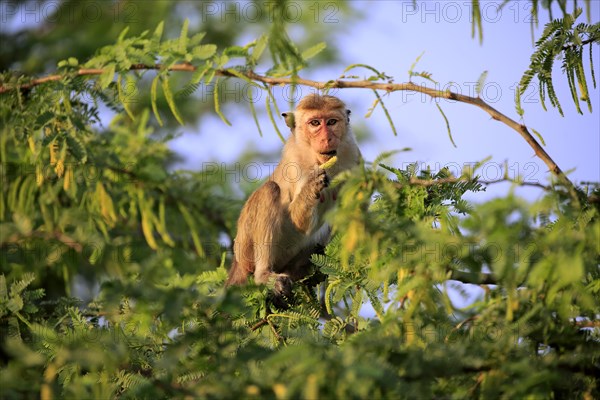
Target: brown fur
point(281, 224)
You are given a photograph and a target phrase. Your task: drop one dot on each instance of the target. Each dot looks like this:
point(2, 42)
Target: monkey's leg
point(301, 266)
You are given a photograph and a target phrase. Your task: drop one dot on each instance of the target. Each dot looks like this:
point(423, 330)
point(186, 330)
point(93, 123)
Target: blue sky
point(390, 37)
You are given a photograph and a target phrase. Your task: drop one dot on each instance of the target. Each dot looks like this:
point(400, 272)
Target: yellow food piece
point(330, 163)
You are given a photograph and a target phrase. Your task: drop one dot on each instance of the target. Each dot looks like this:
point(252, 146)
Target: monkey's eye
point(331, 122)
point(315, 122)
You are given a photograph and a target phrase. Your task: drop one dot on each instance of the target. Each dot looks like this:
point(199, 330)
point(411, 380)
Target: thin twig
point(59, 236)
point(473, 278)
point(583, 43)
point(266, 321)
point(440, 181)
point(274, 330)
point(259, 324)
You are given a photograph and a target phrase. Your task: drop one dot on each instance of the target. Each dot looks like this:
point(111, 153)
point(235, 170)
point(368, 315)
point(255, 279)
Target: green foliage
point(563, 39)
point(113, 262)
point(161, 329)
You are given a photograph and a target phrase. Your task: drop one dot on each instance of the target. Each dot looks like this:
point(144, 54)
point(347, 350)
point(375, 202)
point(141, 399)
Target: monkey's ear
point(289, 119)
point(348, 112)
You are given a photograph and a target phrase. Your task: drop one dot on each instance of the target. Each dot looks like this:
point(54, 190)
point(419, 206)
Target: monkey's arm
point(302, 208)
point(258, 241)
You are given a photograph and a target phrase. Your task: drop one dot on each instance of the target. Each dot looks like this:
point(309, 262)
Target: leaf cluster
point(562, 38)
point(160, 328)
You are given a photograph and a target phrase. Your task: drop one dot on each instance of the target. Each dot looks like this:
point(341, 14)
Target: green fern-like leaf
point(191, 377)
point(17, 287)
point(76, 148)
point(211, 277)
point(166, 86)
point(481, 82)
point(561, 39)
point(187, 90)
point(333, 327)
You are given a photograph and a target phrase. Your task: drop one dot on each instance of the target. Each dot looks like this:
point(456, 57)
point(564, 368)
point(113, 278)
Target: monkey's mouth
point(329, 153)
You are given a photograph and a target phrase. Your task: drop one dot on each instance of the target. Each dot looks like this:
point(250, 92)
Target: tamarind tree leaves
point(480, 82)
point(447, 124)
point(313, 51)
point(204, 52)
point(170, 101)
point(218, 104)
point(561, 38)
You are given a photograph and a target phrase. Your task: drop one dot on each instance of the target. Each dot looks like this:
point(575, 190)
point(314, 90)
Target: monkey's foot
point(282, 296)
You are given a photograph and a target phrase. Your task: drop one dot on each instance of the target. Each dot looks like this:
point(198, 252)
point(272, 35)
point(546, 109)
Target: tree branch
point(433, 182)
point(583, 43)
point(56, 235)
point(473, 278)
point(341, 84)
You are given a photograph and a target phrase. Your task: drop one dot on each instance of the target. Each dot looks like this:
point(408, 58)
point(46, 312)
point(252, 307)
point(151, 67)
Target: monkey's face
point(324, 132)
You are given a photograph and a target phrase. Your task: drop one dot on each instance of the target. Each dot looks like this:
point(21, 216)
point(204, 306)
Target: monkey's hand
point(317, 181)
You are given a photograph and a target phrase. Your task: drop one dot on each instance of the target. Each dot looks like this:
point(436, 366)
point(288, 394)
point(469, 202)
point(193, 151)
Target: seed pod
point(330, 163)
